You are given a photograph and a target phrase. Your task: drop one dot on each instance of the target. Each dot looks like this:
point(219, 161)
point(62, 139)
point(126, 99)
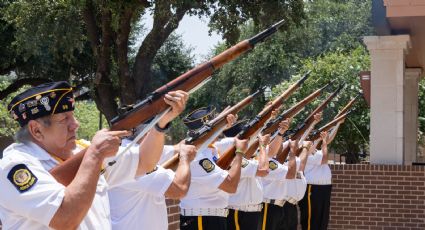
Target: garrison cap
point(235, 129)
point(42, 100)
point(199, 117)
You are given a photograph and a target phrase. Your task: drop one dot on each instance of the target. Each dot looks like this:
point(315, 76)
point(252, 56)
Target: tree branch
point(21, 82)
point(104, 91)
point(92, 29)
point(164, 24)
point(128, 94)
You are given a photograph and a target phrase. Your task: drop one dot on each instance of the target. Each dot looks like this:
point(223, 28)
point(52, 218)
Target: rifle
point(316, 134)
point(340, 116)
point(154, 104)
point(259, 120)
point(348, 106)
point(300, 131)
point(204, 136)
point(272, 125)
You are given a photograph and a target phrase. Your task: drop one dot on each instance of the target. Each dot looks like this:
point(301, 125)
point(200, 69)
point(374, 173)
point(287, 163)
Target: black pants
point(271, 217)
point(242, 220)
point(290, 217)
point(315, 207)
point(203, 223)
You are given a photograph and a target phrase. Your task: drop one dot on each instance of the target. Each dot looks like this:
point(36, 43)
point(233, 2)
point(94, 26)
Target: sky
point(194, 32)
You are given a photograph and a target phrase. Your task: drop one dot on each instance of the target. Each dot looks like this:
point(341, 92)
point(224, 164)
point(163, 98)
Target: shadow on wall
point(4, 142)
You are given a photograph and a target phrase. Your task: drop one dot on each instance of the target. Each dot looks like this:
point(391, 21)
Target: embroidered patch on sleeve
point(272, 165)
point(22, 178)
point(245, 162)
point(207, 165)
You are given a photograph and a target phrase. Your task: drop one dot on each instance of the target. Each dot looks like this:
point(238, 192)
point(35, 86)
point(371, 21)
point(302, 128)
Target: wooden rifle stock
point(256, 123)
point(154, 104)
point(272, 125)
point(281, 156)
point(340, 116)
point(348, 106)
point(210, 129)
point(316, 135)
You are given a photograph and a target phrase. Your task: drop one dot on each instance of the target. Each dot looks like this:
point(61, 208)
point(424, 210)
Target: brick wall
point(173, 214)
point(368, 197)
point(378, 197)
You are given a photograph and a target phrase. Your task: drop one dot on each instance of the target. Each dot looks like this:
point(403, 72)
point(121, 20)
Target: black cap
point(235, 129)
point(42, 100)
point(199, 117)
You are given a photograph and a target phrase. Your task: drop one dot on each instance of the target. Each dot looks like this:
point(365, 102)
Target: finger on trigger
point(120, 133)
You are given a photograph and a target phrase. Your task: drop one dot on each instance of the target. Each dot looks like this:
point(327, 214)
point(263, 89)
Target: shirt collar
point(39, 152)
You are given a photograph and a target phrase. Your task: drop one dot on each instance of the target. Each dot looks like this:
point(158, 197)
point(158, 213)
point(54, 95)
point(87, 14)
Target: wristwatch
point(162, 130)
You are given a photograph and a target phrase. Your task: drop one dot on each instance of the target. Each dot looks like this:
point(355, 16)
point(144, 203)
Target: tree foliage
point(90, 41)
point(331, 37)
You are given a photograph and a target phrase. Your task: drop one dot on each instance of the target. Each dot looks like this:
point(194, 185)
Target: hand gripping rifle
point(154, 104)
point(301, 130)
point(203, 137)
point(272, 125)
point(339, 117)
point(256, 123)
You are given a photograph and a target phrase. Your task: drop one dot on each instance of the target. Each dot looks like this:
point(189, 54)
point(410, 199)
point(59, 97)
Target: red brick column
point(173, 214)
point(377, 197)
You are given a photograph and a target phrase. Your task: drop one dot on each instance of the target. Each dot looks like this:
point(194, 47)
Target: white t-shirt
point(31, 196)
point(250, 188)
point(274, 182)
point(206, 177)
point(316, 172)
point(141, 204)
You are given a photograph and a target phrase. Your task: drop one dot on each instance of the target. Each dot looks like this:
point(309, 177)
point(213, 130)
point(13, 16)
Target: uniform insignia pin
point(45, 102)
point(21, 107)
point(34, 110)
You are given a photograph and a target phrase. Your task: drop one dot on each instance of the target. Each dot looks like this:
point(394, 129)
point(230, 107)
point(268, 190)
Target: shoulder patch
point(245, 162)
point(207, 165)
point(22, 178)
point(272, 165)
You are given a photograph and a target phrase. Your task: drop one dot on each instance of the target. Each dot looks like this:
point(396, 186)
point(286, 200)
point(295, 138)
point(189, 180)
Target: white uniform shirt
point(206, 178)
point(141, 204)
point(250, 188)
point(273, 183)
point(316, 172)
point(294, 189)
point(36, 204)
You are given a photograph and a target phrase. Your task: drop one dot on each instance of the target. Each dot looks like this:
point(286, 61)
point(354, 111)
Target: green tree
point(66, 32)
point(333, 30)
point(343, 68)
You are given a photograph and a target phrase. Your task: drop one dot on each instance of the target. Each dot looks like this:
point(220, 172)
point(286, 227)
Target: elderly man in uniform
point(32, 198)
point(205, 205)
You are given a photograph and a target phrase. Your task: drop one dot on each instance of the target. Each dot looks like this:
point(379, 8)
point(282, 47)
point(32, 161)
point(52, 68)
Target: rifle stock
point(272, 125)
point(340, 116)
point(316, 135)
point(154, 104)
point(348, 106)
point(211, 130)
point(256, 123)
point(281, 156)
